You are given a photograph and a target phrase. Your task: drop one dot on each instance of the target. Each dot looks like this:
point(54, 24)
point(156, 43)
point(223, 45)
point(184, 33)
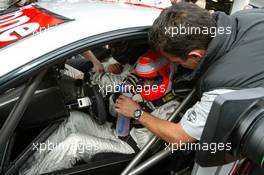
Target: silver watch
point(137, 114)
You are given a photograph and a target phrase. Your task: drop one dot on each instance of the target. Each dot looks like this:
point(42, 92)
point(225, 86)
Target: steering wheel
point(97, 109)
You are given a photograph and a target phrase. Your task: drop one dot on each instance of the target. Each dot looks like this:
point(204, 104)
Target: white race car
point(36, 41)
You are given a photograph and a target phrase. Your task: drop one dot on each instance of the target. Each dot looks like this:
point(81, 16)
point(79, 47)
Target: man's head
point(177, 34)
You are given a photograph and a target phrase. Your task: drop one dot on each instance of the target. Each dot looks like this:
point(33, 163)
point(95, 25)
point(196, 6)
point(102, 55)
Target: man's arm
point(97, 65)
point(189, 129)
point(168, 131)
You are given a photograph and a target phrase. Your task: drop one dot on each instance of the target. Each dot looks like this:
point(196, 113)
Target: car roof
point(88, 18)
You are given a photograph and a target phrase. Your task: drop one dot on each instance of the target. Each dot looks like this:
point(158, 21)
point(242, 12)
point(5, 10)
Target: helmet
point(154, 75)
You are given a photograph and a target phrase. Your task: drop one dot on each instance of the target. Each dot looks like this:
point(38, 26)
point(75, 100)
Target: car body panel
point(89, 18)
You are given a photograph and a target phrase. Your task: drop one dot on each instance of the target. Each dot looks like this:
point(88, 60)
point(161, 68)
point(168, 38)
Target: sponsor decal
point(26, 21)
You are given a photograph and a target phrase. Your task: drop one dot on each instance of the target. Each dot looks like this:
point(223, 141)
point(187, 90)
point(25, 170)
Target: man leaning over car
point(224, 55)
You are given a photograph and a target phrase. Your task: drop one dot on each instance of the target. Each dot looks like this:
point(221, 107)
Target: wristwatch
point(137, 114)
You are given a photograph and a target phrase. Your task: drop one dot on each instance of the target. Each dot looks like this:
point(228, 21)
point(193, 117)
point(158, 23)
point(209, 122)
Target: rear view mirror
point(236, 118)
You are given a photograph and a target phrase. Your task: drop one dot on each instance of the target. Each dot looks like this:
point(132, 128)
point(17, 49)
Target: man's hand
point(126, 106)
point(115, 68)
point(98, 67)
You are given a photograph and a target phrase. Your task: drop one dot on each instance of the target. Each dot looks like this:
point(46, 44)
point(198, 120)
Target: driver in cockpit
point(79, 137)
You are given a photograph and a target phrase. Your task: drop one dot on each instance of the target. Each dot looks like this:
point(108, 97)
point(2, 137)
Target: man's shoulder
point(248, 12)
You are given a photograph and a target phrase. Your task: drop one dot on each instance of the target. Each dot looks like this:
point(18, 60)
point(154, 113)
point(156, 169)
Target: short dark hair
point(181, 14)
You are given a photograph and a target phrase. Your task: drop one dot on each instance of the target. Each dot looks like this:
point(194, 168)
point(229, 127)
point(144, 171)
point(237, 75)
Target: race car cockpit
point(31, 112)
